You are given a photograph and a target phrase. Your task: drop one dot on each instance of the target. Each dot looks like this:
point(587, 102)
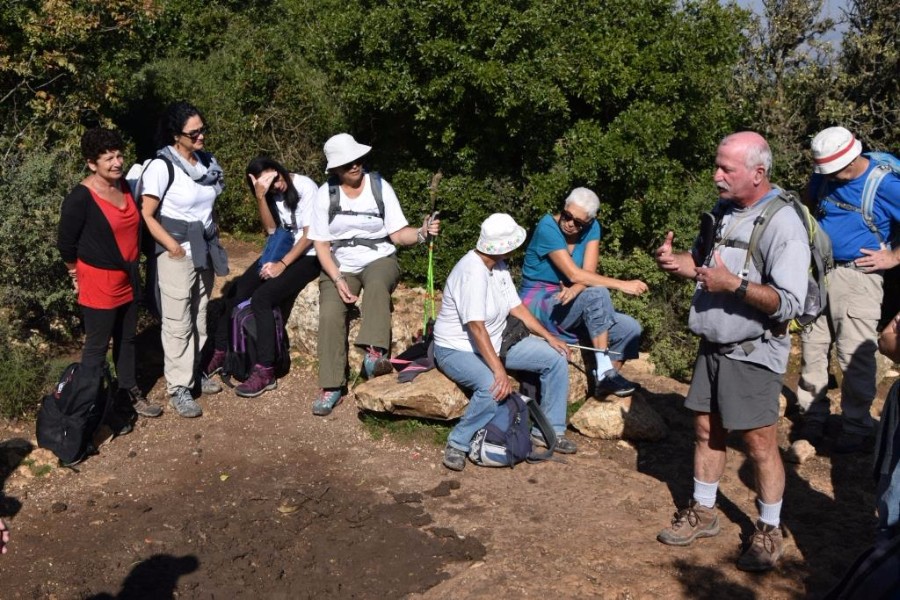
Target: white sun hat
point(500, 234)
point(833, 149)
point(342, 149)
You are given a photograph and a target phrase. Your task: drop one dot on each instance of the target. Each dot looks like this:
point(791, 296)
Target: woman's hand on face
point(634, 287)
point(262, 183)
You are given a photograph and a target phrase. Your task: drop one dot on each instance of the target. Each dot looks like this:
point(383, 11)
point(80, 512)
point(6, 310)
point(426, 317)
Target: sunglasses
point(195, 134)
point(564, 214)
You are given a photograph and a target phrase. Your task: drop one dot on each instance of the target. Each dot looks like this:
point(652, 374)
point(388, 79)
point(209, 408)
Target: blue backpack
point(885, 163)
point(506, 440)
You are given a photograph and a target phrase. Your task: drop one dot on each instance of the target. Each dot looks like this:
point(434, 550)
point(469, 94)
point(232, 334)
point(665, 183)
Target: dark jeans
point(265, 294)
point(119, 323)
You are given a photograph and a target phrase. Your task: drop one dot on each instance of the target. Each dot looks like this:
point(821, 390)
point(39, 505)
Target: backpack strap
point(759, 226)
point(876, 176)
point(543, 424)
point(334, 198)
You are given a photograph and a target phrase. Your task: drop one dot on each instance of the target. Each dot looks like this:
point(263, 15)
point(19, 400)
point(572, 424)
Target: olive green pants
point(378, 280)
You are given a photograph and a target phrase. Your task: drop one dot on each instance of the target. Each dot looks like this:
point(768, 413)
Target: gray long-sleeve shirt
point(723, 318)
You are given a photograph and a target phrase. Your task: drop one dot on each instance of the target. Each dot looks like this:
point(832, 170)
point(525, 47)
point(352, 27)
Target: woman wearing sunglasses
point(356, 224)
point(177, 206)
point(561, 287)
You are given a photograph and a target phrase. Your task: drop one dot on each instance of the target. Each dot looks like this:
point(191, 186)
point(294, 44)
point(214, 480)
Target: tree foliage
point(514, 101)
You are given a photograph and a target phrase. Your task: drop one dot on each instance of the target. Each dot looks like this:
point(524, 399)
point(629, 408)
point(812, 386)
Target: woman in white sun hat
point(356, 222)
point(478, 298)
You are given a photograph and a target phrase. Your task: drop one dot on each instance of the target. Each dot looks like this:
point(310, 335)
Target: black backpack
point(242, 355)
point(71, 414)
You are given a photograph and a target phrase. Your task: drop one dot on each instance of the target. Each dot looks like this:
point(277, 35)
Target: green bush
point(25, 375)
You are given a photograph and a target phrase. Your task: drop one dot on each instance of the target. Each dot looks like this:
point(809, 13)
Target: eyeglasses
point(195, 134)
point(564, 214)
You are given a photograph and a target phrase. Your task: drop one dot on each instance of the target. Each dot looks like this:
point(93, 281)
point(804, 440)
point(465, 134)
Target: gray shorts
point(744, 394)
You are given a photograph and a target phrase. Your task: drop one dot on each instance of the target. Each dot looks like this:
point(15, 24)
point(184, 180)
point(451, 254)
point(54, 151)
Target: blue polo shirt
point(547, 238)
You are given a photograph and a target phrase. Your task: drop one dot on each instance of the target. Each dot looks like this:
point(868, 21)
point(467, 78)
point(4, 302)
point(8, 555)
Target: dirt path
point(260, 499)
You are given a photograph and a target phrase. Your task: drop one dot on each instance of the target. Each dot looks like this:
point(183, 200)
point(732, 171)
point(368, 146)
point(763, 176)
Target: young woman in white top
point(285, 200)
point(178, 211)
point(355, 243)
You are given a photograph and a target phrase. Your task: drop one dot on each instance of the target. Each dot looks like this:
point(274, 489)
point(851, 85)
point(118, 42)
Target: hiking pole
point(429, 286)
point(594, 349)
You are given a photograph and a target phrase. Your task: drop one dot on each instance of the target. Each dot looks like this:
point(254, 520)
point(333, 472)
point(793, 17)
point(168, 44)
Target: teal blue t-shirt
point(546, 239)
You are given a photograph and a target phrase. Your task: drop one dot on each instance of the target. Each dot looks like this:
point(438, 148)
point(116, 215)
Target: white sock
point(603, 364)
point(705, 493)
point(770, 514)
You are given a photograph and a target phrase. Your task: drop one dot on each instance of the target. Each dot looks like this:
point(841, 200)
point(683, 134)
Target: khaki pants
point(851, 321)
point(378, 280)
point(184, 294)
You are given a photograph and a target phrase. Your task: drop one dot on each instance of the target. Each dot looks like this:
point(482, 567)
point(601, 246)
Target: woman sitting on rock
point(478, 298)
point(285, 201)
point(561, 287)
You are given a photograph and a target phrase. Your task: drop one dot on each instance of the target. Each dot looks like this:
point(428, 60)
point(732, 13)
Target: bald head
point(743, 161)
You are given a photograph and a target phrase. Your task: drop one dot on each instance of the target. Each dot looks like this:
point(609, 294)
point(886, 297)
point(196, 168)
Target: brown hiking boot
point(142, 405)
point(694, 521)
point(766, 547)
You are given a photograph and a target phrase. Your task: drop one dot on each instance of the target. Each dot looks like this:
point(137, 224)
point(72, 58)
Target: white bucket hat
point(833, 149)
point(500, 234)
point(342, 149)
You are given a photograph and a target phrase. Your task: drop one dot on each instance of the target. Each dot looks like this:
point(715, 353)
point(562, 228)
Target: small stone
point(58, 507)
point(132, 454)
point(800, 452)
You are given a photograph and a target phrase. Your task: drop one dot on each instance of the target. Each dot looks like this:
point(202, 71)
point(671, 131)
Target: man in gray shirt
point(741, 317)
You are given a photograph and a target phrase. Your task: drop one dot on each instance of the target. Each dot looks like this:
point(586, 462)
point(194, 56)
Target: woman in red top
point(99, 231)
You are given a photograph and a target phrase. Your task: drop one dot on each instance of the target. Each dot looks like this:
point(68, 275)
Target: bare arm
point(159, 233)
point(260, 189)
point(537, 328)
point(409, 236)
point(680, 264)
point(718, 278)
point(588, 276)
point(330, 268)
point(274, 269)
point(501, 387)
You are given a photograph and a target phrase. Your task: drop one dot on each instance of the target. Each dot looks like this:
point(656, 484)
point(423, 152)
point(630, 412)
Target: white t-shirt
point(353, 259)
point(186, 199)
point(307, 190)
point(475, 293)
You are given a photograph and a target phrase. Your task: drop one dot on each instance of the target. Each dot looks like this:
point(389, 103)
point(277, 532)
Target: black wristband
point(742, 289)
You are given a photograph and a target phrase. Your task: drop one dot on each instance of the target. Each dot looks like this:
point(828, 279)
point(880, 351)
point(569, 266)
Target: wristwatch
point(742, 289)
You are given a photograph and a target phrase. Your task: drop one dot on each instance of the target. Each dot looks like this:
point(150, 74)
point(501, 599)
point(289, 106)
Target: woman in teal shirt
point(561, 287)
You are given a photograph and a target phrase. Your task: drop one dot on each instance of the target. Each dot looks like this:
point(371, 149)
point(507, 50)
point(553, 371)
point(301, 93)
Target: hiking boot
point(208, 387)
point(184, 404)
point(563, 444)
point(215, 363)
point(262, 379)
point(376, 363)
point(851, 443)
point(454, 459)
point(694, 521)
point(141, 405)
point(766, 547)
point(811, 431)
point(326, 401)
point(614, 383)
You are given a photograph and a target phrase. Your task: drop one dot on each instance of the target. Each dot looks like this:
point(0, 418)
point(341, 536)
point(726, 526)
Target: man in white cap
point(860, 240)
point(741, 319)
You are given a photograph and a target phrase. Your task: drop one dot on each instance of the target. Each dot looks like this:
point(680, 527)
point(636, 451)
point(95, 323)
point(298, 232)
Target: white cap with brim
point(833, 149)
point(342, 149)
point(500, 234)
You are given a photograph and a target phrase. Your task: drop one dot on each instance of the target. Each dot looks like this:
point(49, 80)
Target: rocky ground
point(260, 499)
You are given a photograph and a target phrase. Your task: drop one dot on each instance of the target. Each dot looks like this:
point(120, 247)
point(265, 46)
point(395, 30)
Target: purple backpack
point(242, 355)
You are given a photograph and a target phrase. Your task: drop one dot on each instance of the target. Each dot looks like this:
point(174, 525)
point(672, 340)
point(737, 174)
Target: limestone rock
point(430, 395)
point(800, 452)
point(623, 418)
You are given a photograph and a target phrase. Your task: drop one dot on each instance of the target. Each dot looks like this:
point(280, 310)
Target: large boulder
point(430, 395)
point(624, 418)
